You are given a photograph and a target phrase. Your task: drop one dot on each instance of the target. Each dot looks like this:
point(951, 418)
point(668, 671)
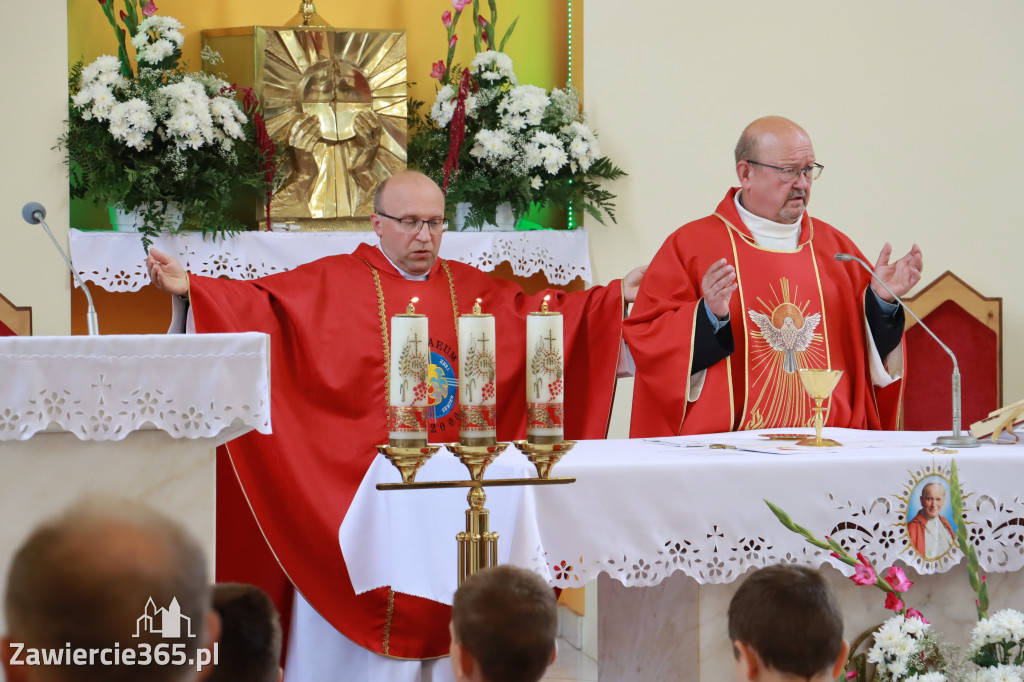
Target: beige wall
point(32, 118)
point(916, 110)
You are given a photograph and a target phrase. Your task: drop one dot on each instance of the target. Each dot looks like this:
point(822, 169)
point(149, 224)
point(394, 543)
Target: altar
point(666, 526)
point(130, 416)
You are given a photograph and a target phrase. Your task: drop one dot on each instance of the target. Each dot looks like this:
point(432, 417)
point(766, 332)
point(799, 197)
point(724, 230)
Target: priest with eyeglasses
point(734, 304)
point(329, 356)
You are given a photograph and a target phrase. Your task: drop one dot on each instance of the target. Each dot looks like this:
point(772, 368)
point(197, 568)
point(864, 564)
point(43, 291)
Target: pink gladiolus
point(863, 575)
point(438, 70)
point(150, 9)
point(460, 5)
point(486, 41)
point(480, 18)
point(892, 602)
point(836, 555)
point(123, 15)
point(897, 579)
point(852, 674)
point(446, 18)
point(914, 613)
point(451, 43)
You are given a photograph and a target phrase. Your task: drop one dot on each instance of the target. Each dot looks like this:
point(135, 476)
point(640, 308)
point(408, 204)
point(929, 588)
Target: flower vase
point(506, 222)
point(169, 218)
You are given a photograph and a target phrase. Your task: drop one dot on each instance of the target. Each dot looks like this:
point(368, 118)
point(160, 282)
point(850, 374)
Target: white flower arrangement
point(513, 142)
point(901, 651)
point(152, 134)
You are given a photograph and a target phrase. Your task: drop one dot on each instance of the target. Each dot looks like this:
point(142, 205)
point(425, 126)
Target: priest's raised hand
point(167, 273)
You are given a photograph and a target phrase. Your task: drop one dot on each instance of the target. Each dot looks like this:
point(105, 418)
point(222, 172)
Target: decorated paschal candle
point(477, 378)
point(545, 376)
point(410, 360)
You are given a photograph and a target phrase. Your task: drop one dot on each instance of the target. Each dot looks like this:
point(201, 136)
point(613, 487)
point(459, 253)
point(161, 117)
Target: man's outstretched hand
point(900, 276)
point(167, 273)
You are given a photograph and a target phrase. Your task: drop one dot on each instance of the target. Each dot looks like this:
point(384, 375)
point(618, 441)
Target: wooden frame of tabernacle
point(477, 545)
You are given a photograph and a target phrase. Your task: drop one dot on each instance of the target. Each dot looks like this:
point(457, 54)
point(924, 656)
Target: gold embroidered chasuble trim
point(750, 417)
point(385, 344)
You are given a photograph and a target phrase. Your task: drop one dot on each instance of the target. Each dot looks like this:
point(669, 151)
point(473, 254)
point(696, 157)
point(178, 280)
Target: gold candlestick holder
point(477, 545)
point(408, 459)
point(819, 384)
point(544, 455)
point(476, 457)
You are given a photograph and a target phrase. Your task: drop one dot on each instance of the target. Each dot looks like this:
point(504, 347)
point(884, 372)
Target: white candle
point(410, 359)
point(545, 376)
point(477, 378)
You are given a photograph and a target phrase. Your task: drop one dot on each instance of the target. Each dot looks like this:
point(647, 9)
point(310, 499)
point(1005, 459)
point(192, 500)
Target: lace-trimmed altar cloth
point(641, 510)
point(102, 388)
point(116, 261)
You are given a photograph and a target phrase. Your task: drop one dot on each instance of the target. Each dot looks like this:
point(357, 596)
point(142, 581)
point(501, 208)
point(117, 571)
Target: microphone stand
point(34, 213)
point(956, 440)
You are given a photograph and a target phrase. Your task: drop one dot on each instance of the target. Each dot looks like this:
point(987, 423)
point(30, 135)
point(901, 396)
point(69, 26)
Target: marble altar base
point(677, 630)
point(42, 476)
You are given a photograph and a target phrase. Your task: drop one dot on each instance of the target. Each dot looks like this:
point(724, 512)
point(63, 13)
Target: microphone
point(34, 214)
point(956, 440)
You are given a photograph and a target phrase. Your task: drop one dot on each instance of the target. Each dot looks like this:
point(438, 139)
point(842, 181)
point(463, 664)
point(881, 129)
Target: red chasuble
point(793, 309)
point(328, 322)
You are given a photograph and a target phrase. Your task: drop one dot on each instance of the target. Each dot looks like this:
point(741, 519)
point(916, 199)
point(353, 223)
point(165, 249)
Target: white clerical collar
point(767, 233)
point(403, 273)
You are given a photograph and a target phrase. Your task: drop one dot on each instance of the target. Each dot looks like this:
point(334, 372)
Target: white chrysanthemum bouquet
point(489, 139)
point(159, 135)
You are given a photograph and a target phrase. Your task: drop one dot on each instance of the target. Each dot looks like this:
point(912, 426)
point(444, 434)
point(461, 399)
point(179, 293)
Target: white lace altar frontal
point(643, 509)
point(101, 388)
point(116, 261)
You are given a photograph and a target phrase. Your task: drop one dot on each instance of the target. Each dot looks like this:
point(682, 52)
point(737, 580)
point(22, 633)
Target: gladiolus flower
point(451, 43)
point(480, 18)
point(892, 602)
point(446, 18)
point(914, 613)
point(897, 579)
point(123, 15)
point(852, 674)
point(438, 70)
point(836, 555)
point(460, 5)
point(150, 9)
point(863, 575)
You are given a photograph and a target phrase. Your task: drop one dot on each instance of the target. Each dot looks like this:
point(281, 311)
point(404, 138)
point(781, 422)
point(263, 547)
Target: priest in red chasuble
point(735, 303)
point(328, 322)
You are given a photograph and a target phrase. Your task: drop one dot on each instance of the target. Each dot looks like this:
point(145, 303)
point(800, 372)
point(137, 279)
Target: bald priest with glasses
point(328, 321)
point(735, 303)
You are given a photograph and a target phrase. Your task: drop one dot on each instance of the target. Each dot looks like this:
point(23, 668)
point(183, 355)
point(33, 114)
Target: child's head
point(504, 623)
point(785, 619)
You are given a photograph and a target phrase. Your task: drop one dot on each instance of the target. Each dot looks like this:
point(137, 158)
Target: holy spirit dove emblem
point(787, 331)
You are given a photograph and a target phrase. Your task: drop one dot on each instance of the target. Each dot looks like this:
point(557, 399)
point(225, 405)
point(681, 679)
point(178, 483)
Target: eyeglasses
point(791, 173)
point(413, 225)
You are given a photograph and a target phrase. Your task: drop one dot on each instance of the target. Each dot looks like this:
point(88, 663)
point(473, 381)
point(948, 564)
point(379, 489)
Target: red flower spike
point(457, 128)
point(893, 603)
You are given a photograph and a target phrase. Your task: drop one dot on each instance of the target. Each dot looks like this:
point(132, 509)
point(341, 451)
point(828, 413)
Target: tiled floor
point(571, 666)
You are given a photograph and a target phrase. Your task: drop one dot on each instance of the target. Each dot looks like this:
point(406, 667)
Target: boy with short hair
point(785, 623)
point(504, 624)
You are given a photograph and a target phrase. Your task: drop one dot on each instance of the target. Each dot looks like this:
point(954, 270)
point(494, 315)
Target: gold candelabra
point(477, 545)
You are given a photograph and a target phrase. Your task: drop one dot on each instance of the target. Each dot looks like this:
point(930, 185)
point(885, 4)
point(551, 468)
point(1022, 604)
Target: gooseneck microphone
point(956, 440)
point(34, 214)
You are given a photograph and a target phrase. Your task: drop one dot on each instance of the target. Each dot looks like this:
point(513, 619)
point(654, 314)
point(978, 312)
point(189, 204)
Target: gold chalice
point(819, 384)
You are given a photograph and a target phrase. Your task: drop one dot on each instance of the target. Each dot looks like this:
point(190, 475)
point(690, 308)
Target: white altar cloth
point(642, 510)
point(104, 387)
point(116, 261)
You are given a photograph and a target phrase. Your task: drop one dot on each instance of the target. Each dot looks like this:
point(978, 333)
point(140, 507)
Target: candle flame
point(412, 309)
point(544, 305)
point(476, 307)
